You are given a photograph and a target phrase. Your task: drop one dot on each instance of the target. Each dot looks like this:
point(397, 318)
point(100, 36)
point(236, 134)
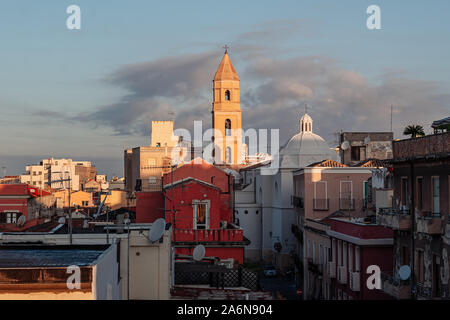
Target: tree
point(414, 130)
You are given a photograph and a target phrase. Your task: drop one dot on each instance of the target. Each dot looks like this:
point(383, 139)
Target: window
point(420, 266)
point(420, 193)
point(314, 252)
point(436, 276)
point(201, 214)
point(356, 259)
point(9, 217)
point(228, 127)
point(227, 95)
point(246, 211)
point(350, 257)
point(435, 184)
point(358, 153)
point(320, 254)
point(404, 195)
point(84, 203)
point(405, 255)
point(158, 144)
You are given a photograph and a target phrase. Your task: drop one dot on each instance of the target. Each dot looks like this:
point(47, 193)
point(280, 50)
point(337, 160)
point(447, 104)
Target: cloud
point(274, 92)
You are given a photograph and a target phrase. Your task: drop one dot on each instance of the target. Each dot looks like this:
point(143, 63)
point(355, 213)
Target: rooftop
point(49, 256)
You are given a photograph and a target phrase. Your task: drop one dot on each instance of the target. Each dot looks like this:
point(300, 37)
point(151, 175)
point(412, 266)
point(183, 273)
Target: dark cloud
point(273, 94)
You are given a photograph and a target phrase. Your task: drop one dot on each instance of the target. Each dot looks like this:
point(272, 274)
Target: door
point(436, 208)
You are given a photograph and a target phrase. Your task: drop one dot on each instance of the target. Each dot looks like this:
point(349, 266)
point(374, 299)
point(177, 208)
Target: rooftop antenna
point(306, 108)
point(171, 113)
point(156, 231)
point(4, 171)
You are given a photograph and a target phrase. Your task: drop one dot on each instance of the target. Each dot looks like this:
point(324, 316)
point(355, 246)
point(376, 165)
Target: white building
point(263, 205)
point(52, 169)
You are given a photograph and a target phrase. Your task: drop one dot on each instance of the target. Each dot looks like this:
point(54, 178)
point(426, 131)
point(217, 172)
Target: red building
point(197, 199)
point(356, 245)
point(18, 200)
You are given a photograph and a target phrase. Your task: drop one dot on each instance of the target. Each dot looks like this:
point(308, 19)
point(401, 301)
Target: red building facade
point(355, 246)
point(199, 204)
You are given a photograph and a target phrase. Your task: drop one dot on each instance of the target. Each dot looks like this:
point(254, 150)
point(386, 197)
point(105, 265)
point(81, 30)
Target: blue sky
point(65, 75)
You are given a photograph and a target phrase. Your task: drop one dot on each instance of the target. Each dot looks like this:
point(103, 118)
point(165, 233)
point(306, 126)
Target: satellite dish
point(21, 220)
point(62, 220)
point(157, 230)
point(345, 145)
point(404, 272)
point(367, 140)
point(199, 252)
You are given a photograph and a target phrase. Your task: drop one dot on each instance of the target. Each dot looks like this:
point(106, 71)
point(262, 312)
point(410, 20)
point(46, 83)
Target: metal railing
point(346, 204)
point(321, 204)
point(297, 202)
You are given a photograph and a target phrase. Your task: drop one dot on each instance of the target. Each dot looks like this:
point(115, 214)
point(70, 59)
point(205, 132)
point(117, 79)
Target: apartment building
point(419, 217)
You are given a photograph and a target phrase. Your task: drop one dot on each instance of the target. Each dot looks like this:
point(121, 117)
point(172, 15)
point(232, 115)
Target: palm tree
point(414, 130)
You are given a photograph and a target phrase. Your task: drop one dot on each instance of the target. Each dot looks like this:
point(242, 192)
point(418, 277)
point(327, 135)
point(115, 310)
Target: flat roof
point(49, 256)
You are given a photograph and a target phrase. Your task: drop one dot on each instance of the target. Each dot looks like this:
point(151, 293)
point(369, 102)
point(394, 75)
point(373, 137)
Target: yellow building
point(226, 114)
point(80, 199)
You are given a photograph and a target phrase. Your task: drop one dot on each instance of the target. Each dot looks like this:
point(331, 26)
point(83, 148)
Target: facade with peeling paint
point(420, 217)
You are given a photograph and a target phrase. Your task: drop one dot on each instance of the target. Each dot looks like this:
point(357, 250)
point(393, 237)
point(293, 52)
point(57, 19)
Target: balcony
point(429, 223)
point(395, 287)
point(297, 202)
point(314, 267)
point(431, 146)
point(321, 204)
point(342, 275)
point(208, 235)
point(395, 219)
point(332, 269)
point(354, 281)
point(346, 204)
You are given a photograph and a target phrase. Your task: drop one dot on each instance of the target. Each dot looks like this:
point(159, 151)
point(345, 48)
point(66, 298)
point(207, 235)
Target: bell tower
point(226, 113)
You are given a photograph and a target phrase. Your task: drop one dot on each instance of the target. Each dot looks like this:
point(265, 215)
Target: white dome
point(305, 147)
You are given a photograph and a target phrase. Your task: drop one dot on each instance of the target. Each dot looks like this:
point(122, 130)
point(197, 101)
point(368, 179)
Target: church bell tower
point(226, 113)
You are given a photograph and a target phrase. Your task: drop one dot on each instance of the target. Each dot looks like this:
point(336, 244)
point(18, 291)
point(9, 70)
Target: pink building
point(323, 190)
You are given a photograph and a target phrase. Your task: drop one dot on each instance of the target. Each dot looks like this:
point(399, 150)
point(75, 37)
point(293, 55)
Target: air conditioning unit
point(332, 269)
point(342, 274)
point(354, 281)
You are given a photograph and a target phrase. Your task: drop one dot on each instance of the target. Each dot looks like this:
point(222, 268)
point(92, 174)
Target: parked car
point(270, 271)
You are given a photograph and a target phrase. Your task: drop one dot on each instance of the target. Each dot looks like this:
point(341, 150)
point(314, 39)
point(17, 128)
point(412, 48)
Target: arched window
point(228, 127)
point(227, 95)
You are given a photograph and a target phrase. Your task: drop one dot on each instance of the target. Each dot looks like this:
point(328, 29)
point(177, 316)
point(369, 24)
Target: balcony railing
point(346, 204)
point(394, 286)
point(395, 219)
point(430, 223)
point(208, 235)
point(431, 145)
point(314, 266)
point(297, 202)
point(321, 204)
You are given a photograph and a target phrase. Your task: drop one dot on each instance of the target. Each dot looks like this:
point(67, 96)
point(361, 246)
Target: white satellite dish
point(367, 140)
point(21, 220)
point(404, 272)
point(157, 230)
point(345, 145)
point(62, 220)
point(199, 252)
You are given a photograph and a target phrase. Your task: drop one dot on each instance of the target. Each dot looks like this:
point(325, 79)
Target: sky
point(88, 94)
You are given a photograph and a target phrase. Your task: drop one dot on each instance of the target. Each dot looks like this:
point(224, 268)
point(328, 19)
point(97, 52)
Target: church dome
point(305, 147)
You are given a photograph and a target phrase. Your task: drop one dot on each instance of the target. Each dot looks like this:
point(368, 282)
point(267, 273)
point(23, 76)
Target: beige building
point(150, 264)
point(145, 165)
point(59, 273)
